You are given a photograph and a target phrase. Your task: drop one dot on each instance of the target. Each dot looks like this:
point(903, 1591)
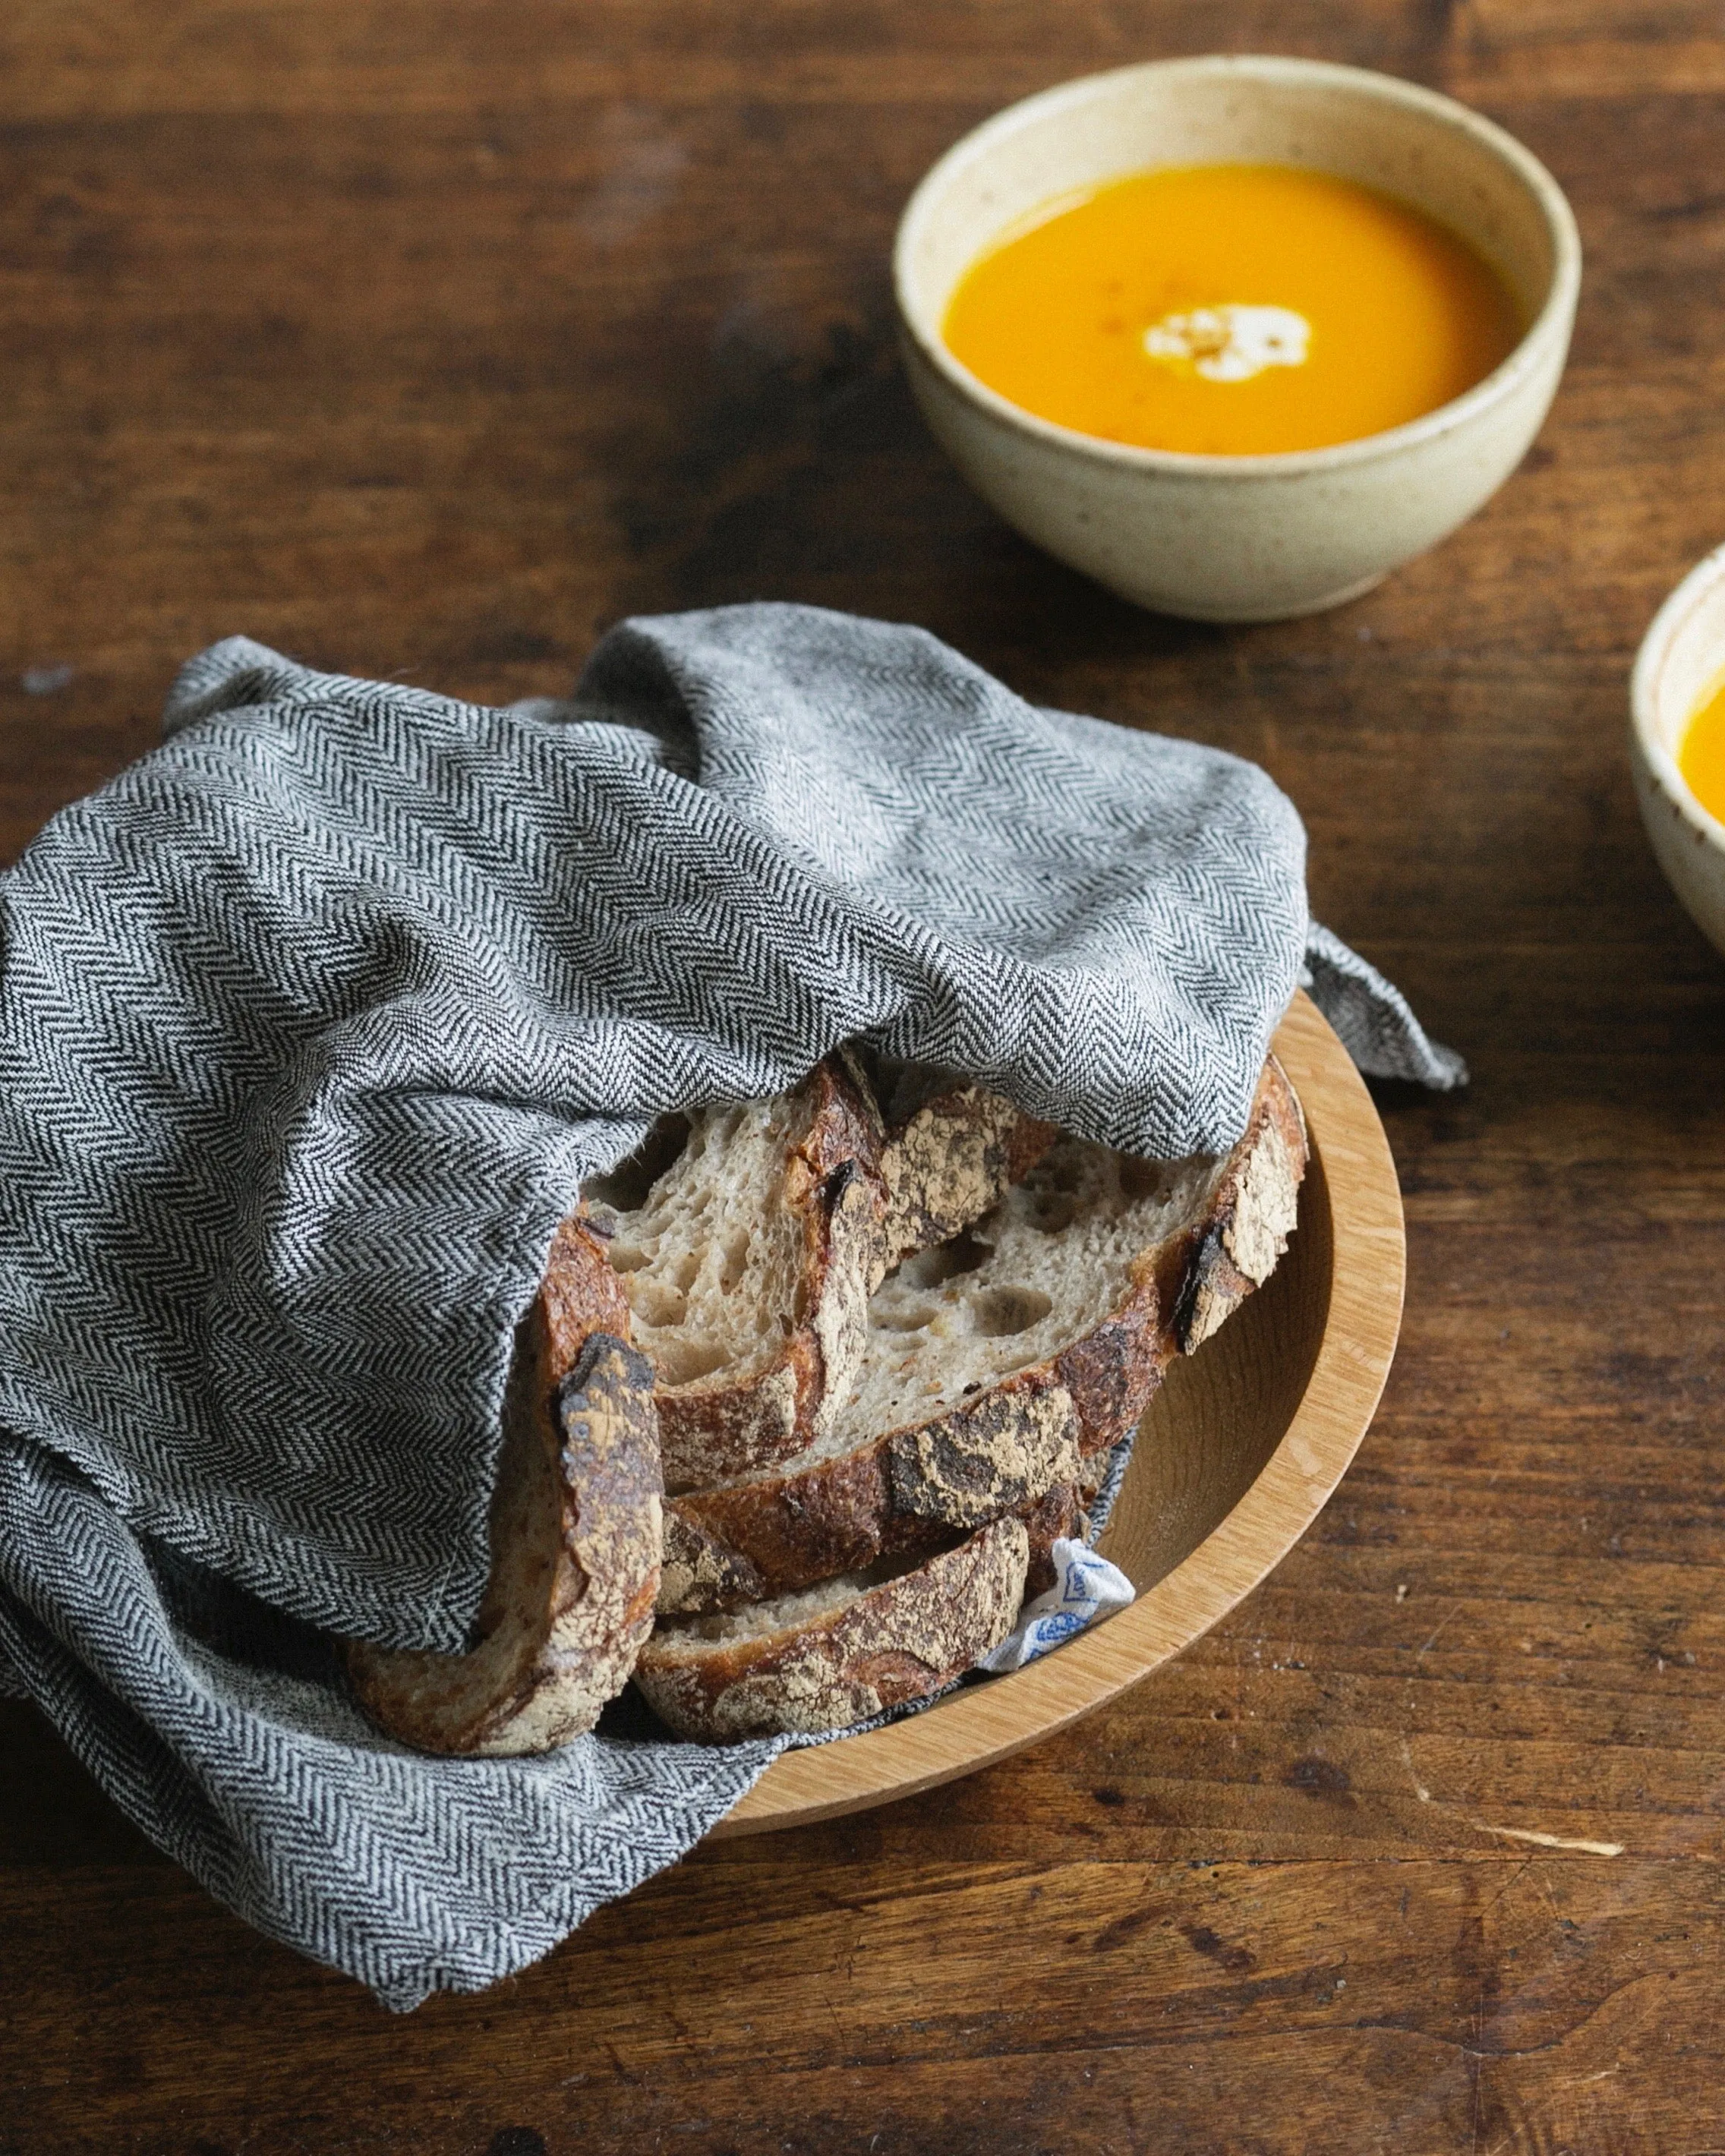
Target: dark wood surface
point(424, 338)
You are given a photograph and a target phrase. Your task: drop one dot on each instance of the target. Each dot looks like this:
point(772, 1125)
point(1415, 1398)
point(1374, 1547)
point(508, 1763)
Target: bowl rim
point(1646, 735)
point(976, 1727)
point(1551, 321)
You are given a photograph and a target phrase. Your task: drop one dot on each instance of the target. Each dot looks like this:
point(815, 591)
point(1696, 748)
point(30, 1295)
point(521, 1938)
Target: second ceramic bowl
point(1682, 656)
point(1251, 538)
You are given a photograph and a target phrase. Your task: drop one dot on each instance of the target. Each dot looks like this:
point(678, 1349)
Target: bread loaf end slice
point(840, 1652)
point(575, 1534)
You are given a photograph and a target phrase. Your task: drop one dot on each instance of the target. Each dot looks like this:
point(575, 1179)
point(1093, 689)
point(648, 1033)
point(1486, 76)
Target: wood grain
point(422, 337)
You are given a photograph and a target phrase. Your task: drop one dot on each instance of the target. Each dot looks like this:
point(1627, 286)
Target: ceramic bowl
point(1249, 538)
point(1680, 657)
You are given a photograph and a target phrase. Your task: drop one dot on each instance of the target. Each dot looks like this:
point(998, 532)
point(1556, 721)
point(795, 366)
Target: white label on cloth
point(1086, 1586)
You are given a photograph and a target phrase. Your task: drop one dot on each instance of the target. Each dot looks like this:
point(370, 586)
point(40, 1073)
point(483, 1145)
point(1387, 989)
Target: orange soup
point(1701, 759)
point(1231, 310)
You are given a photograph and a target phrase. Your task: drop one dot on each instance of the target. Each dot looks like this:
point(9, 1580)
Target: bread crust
point(1061, 1512)
point(951, 1161)
point(883, 1647)
point(1254, 1212)
point(1006, 1449)
point(575, 1533)
point(719, 1578)
point(744, 1541)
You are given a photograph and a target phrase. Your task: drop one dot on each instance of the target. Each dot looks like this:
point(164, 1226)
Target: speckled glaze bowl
point(1682, 655)
point(1253, 538)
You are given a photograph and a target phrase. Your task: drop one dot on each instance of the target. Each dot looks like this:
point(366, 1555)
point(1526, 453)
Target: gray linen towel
point(311, 1024)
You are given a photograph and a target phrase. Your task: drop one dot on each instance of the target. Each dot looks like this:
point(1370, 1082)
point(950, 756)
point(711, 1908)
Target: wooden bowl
point(1240, 1449)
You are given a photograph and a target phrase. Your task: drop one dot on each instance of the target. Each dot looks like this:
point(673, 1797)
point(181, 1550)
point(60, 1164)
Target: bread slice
point(840, 1652)
point(747, 1236)
point(575, 1535)
point(1005, 1362)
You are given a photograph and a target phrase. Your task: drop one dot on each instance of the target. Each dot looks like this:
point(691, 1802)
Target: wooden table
point(423, 339)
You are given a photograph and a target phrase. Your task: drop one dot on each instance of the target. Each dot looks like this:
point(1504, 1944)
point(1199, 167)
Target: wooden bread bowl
point(1239, 1450)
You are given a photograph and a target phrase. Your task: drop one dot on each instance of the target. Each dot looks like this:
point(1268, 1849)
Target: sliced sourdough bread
point(747, 1236)
point(575, 1537)
point(1005, 1363)
point(840, 1652)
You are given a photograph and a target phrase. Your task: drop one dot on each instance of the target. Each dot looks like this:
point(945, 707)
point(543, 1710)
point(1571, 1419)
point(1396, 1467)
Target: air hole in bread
point(1001, 1312)
point(906, 1320)
point(1140, 1179)
point(928, 1269)
point(1051, 1212)
point(657, 1301)
point(624, 1188)
point(736, 1262)
point(680, 1362)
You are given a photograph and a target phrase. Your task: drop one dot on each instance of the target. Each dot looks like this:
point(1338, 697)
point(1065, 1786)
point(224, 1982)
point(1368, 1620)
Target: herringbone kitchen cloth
point(312, 1023)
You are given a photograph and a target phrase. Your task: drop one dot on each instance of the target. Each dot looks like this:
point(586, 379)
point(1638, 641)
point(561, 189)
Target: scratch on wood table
point(1552, 1841)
